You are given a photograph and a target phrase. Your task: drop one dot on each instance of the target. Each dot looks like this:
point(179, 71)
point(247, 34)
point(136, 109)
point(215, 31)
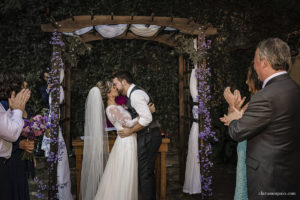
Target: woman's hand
point(18, 101)
point(233, 99)
point(27, 145)
point(151, 107)
point(230, 97)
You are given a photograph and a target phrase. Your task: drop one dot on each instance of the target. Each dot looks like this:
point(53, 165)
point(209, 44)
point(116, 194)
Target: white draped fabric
point(80, 31)
point(111, 31)
point(62, 75)
point(170, 29)
point(63, 171)
point(144, 31)
point(192, 182)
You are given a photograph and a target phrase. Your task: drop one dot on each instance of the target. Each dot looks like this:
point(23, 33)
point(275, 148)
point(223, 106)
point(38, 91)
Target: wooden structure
point(187, 26)
point(160, 164)
point(182, 25)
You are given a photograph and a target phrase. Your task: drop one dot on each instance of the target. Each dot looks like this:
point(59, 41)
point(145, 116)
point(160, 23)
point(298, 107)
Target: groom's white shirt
point(11, 125)
point(139, 101)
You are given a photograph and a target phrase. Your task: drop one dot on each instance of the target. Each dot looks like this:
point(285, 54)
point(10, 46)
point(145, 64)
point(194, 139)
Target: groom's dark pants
point(148, 141)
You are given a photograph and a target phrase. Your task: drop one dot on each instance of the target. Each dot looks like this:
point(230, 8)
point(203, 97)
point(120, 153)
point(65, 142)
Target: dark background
point(241, 25)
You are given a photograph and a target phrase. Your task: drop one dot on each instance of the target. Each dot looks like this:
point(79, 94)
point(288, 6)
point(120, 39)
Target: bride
point(115, 178)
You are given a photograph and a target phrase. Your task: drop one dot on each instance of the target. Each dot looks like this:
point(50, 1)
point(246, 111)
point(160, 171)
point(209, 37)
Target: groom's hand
point(125, 132)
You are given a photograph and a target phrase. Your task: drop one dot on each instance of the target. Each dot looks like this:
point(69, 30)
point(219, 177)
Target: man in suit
point(271, 124)
point(147, 129)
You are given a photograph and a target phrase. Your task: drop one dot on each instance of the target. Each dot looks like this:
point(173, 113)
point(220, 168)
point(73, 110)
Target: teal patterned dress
point(241, 192)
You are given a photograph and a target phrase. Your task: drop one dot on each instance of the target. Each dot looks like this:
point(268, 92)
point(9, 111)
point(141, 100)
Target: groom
point(271, 125)
point(147, 129)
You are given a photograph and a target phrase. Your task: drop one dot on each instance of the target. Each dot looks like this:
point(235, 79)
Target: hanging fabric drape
point(111, 31)
point(143, 30)
point(192, 181)
point(79, 32)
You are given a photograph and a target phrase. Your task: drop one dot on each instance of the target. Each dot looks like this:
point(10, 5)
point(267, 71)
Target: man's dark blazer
point(271, 124)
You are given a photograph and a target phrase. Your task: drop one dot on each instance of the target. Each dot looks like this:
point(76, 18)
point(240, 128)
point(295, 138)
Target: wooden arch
point(186, 26)
point(182, 25)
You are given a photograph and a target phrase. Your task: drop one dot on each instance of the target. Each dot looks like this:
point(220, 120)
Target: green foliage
point(241, 25)
point(186, 46)
point(154, 67)
point(74, 47)
point(25, 48)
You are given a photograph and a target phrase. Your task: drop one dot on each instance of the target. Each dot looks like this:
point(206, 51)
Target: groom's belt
point(148, 129)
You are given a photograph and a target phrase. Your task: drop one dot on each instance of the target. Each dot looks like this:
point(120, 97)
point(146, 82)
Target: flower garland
point(206, 134)
point(54, 82)
point(74, 48)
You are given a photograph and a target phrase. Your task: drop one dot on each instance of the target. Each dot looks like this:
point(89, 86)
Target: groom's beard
point(121, 91)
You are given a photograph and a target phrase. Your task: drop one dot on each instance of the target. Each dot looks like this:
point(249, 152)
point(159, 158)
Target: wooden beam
point(181, 119)
point(112, 16)
point(190, 20)
point(171, 36)
point(72, 16)
point(131, 17)
point(54, 23)
point(182, 24)
point(159, 31)
point(152, 16)
point(171, 18)
point(67, 108)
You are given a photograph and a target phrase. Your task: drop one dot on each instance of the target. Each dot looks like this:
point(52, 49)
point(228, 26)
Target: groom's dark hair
point(123, 75)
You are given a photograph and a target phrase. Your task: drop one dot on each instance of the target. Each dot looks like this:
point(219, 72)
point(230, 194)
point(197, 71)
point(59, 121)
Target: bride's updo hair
point(105, 87)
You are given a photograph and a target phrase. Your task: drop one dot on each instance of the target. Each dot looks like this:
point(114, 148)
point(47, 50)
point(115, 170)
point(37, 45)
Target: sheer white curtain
point(96, 149)
point(192, 181)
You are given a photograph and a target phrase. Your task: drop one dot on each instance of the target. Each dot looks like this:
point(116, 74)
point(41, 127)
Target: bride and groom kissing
point(130, 165)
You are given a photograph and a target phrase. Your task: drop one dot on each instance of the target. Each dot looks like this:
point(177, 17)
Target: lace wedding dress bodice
point(119, 117)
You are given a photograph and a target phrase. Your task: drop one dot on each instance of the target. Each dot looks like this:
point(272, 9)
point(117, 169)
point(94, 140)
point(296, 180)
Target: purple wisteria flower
point(56, 146)
point(206, 134)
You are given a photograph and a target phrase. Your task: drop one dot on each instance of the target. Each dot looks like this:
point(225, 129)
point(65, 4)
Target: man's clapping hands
point(235, 109)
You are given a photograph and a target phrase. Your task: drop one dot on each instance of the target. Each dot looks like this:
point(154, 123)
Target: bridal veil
point(96, 148)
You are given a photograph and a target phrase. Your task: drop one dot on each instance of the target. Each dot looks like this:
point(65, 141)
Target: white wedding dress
point(120, 178)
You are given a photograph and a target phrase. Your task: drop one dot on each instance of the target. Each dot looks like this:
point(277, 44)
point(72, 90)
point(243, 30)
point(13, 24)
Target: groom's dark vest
point(133, 112)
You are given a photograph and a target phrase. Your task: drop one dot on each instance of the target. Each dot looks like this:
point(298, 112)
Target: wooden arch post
point(181, 151)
